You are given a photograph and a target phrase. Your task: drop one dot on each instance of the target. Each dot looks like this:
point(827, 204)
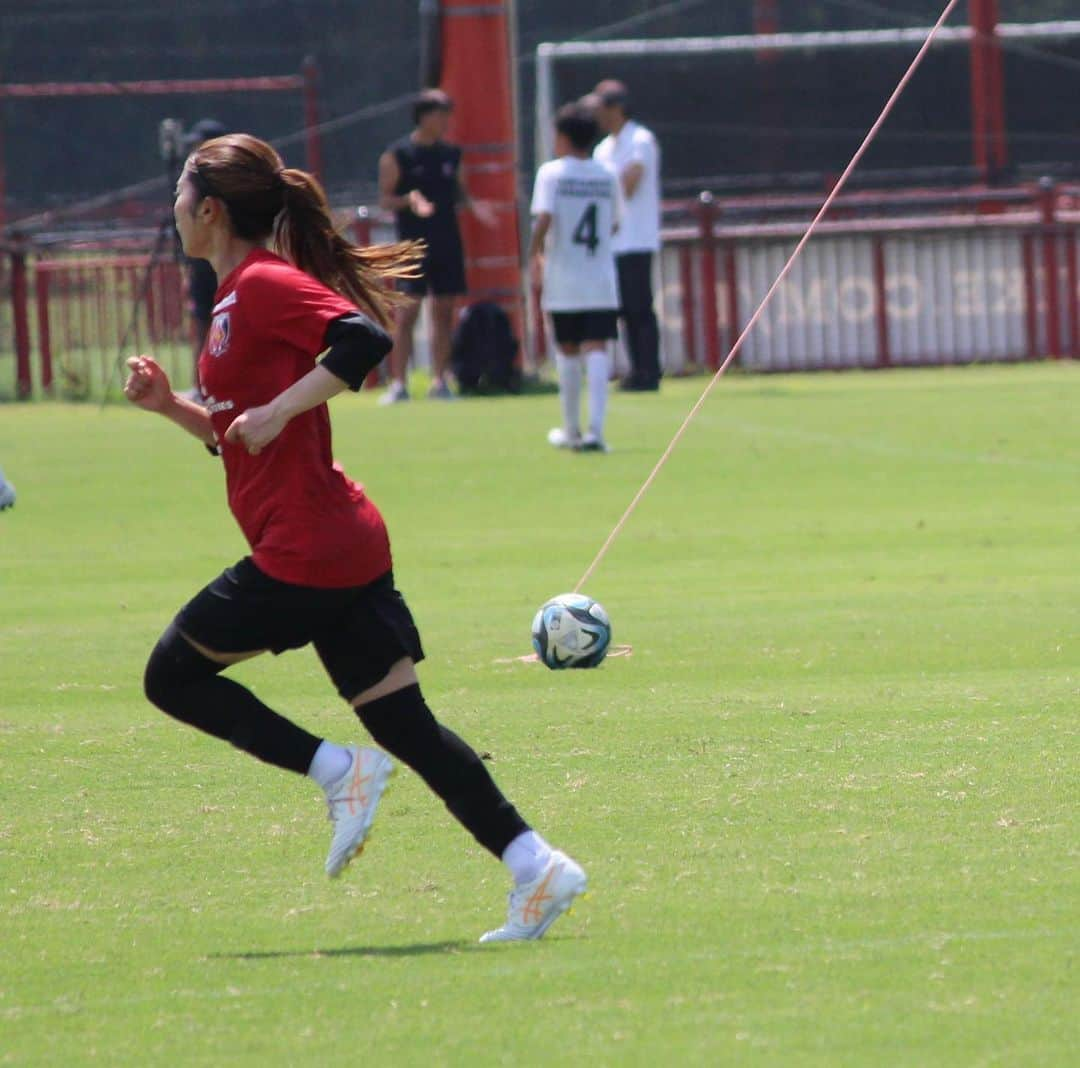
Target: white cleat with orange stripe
point(352, 801)
point(535, 906)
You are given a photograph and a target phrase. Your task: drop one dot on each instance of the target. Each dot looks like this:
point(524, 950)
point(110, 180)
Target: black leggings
point(188, 686)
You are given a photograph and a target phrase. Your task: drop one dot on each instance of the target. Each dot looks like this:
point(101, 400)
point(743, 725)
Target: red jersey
point(305, 521)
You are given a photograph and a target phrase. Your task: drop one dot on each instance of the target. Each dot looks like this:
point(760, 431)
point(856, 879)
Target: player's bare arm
point(631, 178)
point(257, 427)
point(482, 210)
point(389, 176)
point(541, 226)
point(148, 387)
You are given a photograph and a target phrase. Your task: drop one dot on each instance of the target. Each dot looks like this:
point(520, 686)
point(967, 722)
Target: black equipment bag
point(484, 351)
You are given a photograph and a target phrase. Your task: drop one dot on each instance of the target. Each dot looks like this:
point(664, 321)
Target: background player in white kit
point(576, 207)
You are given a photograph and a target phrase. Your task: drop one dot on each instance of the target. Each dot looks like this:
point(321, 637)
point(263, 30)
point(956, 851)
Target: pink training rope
point(855, 161)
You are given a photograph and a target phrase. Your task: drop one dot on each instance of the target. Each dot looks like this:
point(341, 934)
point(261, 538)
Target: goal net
point(769, 111)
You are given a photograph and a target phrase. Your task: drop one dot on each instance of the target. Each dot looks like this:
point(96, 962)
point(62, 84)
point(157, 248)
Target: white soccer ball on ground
point(571, 630)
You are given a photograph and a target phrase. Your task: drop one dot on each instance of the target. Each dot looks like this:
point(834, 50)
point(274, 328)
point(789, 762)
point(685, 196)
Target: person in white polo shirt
point(631, 151)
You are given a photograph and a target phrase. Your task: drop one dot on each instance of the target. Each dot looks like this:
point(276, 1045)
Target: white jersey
point(640, 230)
point(583, 199)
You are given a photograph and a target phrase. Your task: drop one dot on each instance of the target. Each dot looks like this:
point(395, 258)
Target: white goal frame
point(549, 53)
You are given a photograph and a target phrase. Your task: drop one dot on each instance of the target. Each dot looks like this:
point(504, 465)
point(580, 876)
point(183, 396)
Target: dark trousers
point(642, 331)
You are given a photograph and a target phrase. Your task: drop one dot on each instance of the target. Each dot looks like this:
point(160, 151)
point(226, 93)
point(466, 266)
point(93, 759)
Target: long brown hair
point(265, 198)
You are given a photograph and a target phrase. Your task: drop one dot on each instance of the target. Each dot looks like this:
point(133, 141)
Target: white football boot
point(535, 906)
point(395, 393)
point(352, 801)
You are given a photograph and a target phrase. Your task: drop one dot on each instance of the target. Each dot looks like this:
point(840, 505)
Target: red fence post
point(731, 269)
point(987, 90)
point(313, 139)
point(1031, 297)
point(41, 287)
point(1048, 204)
point(24, 383)
point(1072, 303)
point(689, 307)
point(881, 305)
point(707, 217)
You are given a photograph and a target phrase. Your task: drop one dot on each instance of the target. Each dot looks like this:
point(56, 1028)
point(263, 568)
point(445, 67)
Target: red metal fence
point(893, 279)
point(899, 279)
point(74, 317)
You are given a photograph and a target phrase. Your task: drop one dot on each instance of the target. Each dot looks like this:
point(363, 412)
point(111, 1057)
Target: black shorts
point(572, 328)
point(359, 632)
point(442, 273)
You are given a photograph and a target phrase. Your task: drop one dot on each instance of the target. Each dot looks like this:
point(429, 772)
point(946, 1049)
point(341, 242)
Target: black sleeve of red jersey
point(357, 346)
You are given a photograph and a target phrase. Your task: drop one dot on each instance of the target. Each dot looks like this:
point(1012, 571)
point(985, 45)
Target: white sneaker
point(535, 906)
point(395, 393)
point(352, 801)
point(558, 437)
point(7, 493)
point(591, 443)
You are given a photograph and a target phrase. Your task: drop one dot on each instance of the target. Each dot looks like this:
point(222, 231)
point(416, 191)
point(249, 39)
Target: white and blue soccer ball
point(571, 631)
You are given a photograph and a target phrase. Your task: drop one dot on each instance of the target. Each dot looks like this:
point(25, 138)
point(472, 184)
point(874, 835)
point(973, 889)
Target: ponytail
point(264, 198)
point(305, 235)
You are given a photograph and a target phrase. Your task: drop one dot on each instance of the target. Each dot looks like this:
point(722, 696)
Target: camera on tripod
point(175, 143)
point(172, 143)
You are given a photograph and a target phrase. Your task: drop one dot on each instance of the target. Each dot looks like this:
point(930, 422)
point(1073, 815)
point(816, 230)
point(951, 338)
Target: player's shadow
point(416, 949)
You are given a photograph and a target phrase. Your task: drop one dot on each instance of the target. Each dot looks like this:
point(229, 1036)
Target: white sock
point(329, 763)
point(526, 856)
point(596, 366)
point(569, 368)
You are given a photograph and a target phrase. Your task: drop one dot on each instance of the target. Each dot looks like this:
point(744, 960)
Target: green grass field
point(828, 806)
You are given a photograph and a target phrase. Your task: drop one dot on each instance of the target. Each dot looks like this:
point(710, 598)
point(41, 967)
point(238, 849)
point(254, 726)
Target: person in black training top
point(422, 180)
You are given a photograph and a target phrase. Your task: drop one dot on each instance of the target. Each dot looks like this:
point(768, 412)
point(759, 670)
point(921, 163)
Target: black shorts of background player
point(422, 180)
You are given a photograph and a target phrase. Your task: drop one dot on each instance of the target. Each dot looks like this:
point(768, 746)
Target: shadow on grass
point(416, 949)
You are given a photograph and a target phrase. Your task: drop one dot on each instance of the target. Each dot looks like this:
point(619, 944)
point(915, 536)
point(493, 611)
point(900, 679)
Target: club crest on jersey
point(217, 340)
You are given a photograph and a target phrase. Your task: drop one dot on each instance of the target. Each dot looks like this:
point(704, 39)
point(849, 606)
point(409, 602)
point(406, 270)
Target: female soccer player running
point(320, 566)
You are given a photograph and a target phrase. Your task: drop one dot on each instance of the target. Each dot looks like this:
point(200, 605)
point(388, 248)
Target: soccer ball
point(571, 630)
